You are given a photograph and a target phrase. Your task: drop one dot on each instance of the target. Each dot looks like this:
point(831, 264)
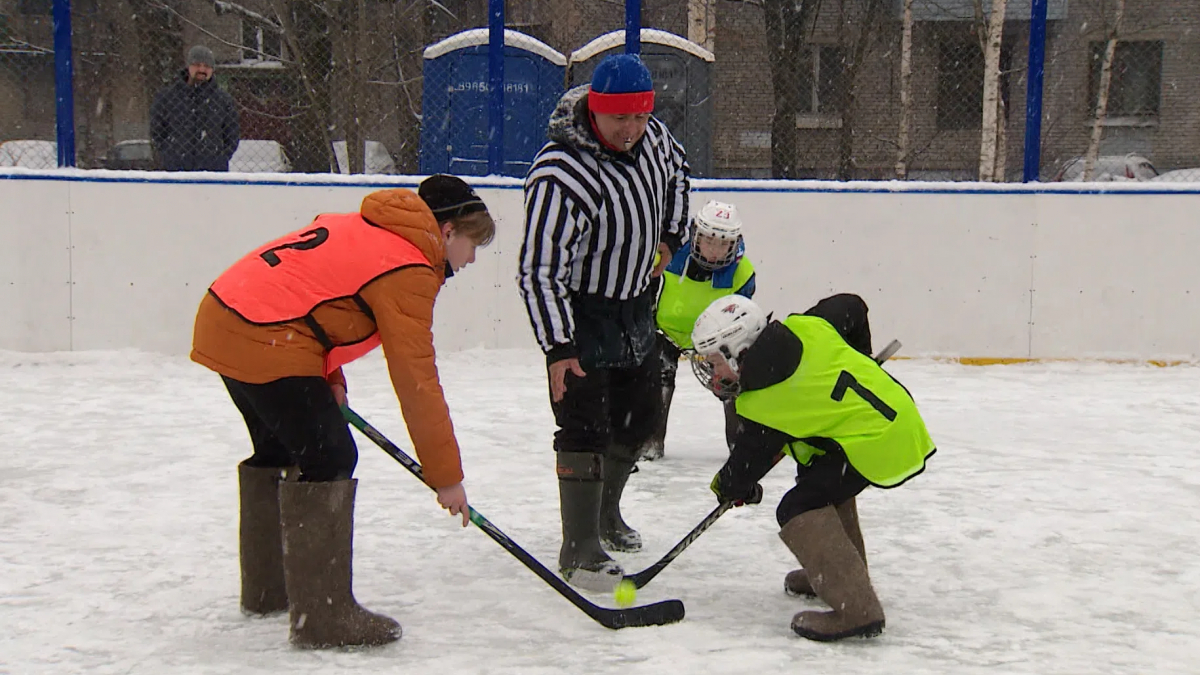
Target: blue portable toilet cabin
point(682, 72)
point(454, 107)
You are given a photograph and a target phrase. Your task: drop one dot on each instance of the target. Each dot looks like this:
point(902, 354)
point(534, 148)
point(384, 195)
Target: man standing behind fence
point(193, 122)
point(603, 197)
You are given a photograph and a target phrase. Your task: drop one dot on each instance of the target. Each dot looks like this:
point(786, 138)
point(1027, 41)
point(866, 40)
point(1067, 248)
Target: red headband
point(631, 103)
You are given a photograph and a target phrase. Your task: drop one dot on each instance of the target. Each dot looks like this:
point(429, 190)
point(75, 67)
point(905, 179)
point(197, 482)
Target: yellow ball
point(625, 593)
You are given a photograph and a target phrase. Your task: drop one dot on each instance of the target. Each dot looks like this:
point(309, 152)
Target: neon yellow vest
point(840, 394)
point(683, 300)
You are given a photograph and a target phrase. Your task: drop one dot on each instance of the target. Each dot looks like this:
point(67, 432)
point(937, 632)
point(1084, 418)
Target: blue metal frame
point(64, 84)
point(633, 26)
point(496, 87)
point(1033, 93)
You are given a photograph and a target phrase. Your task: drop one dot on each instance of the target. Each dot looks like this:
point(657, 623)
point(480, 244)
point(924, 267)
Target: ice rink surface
point(1055, 531)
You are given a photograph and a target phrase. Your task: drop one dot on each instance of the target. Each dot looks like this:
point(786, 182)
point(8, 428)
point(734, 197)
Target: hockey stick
point(640, 579)
point(656, 614)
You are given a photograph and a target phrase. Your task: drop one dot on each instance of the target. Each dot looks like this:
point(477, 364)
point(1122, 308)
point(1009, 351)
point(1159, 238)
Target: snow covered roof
point(479, 36)
point(651, 35)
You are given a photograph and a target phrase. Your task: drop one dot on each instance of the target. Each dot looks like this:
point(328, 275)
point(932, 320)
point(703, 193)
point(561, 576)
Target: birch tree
point(1110, 50)
point(992, 118)
point(906, 112)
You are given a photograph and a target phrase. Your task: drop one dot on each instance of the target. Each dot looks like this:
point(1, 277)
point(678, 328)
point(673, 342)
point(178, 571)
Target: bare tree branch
point(223, 7)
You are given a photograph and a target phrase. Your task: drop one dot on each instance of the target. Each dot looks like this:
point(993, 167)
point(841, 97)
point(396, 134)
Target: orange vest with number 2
point(333, 258)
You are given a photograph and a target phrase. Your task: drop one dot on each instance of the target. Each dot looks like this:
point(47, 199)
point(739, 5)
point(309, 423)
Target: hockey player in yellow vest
point(712, 265)
point(807, 387)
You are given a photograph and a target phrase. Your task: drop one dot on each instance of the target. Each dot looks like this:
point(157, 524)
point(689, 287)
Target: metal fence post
point(1033, 92)
point(496, 87)
point(633, 26)
point(64, 85)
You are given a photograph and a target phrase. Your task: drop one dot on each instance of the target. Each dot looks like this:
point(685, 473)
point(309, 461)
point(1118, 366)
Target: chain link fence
point(821, 89)
point(27, 134)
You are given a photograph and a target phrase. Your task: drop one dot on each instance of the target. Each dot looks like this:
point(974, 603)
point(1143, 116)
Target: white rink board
point(35, 266)
point(933, 273)
point(1127, 284)
point(959, 270)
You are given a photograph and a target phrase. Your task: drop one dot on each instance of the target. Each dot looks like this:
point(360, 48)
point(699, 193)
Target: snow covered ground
point(1056, 531)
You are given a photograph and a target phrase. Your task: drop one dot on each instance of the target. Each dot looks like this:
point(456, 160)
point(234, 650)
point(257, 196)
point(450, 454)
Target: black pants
point(608, 406)
point(828, 480)
point(295, 421)
point(669, 356)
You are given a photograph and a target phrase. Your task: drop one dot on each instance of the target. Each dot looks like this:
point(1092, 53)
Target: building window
point(259, 44)
point(820, 80)
point(960, 83)
point(36, 7)
point(1135, 90)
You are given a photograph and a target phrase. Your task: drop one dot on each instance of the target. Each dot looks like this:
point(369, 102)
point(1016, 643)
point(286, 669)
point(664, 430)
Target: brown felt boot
point(838, 575)
point(260, 537)
point(318, 537)
point(796, 582)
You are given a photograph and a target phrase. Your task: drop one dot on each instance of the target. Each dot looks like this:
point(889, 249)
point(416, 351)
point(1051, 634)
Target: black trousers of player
point(295, 421)
point(828, 480)
point(606, 407)
point(669, 356)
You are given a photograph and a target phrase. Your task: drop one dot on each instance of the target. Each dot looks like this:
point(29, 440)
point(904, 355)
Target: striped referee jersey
point(594, 217)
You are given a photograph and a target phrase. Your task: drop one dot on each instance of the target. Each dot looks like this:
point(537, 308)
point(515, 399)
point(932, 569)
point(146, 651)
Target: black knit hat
point(449, 197)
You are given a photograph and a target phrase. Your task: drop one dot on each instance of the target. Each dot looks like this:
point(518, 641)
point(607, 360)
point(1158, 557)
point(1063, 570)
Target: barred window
point(1135, 90)
point(960, 83)
point(36, 7)
point(820, 80)
point(259, 44)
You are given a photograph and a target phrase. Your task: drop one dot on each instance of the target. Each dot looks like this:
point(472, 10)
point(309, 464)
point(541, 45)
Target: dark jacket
point(194, 128)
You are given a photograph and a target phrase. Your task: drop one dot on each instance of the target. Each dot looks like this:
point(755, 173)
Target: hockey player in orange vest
point(277, 326)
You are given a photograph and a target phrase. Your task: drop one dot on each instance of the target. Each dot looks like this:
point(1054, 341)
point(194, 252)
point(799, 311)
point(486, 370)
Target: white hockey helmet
point(716, 233)
point(727, 327)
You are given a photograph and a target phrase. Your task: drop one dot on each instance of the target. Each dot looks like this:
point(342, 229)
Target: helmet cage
point(733, 244)
point(706, 373)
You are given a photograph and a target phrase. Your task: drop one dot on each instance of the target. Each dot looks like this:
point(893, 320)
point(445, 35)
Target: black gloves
point(729, 490)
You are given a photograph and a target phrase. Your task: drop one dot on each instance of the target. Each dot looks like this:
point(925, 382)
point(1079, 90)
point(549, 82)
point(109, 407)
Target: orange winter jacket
point(248, 327)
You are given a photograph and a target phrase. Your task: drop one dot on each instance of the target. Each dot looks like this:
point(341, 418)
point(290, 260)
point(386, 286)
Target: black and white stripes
point(593, 223)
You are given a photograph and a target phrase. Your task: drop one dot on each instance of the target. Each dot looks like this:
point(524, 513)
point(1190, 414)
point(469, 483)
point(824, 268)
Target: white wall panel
point(953, 270)
point(1118, 279)
point(35, 270)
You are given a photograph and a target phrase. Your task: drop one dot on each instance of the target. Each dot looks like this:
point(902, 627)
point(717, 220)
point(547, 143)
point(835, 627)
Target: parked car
point(1109, 168)
point(132, 155)
point(29, 154)
point(260, 156)
point(1179, 176)
point(378, 159)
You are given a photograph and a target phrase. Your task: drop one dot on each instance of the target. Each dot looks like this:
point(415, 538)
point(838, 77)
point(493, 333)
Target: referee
point(606, 207)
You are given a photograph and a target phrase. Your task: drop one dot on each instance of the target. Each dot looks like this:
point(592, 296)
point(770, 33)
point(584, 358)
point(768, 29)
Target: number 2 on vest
point(310, 240)
point(847, 381)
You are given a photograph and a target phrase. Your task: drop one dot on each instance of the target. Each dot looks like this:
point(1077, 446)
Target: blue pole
point(633, 26)
point(1033, 91)
point(64, 95)
point(496, 87)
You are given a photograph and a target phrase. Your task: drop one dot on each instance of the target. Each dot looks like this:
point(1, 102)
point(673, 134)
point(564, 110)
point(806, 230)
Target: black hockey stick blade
point(640, 579)
point(655, 614)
